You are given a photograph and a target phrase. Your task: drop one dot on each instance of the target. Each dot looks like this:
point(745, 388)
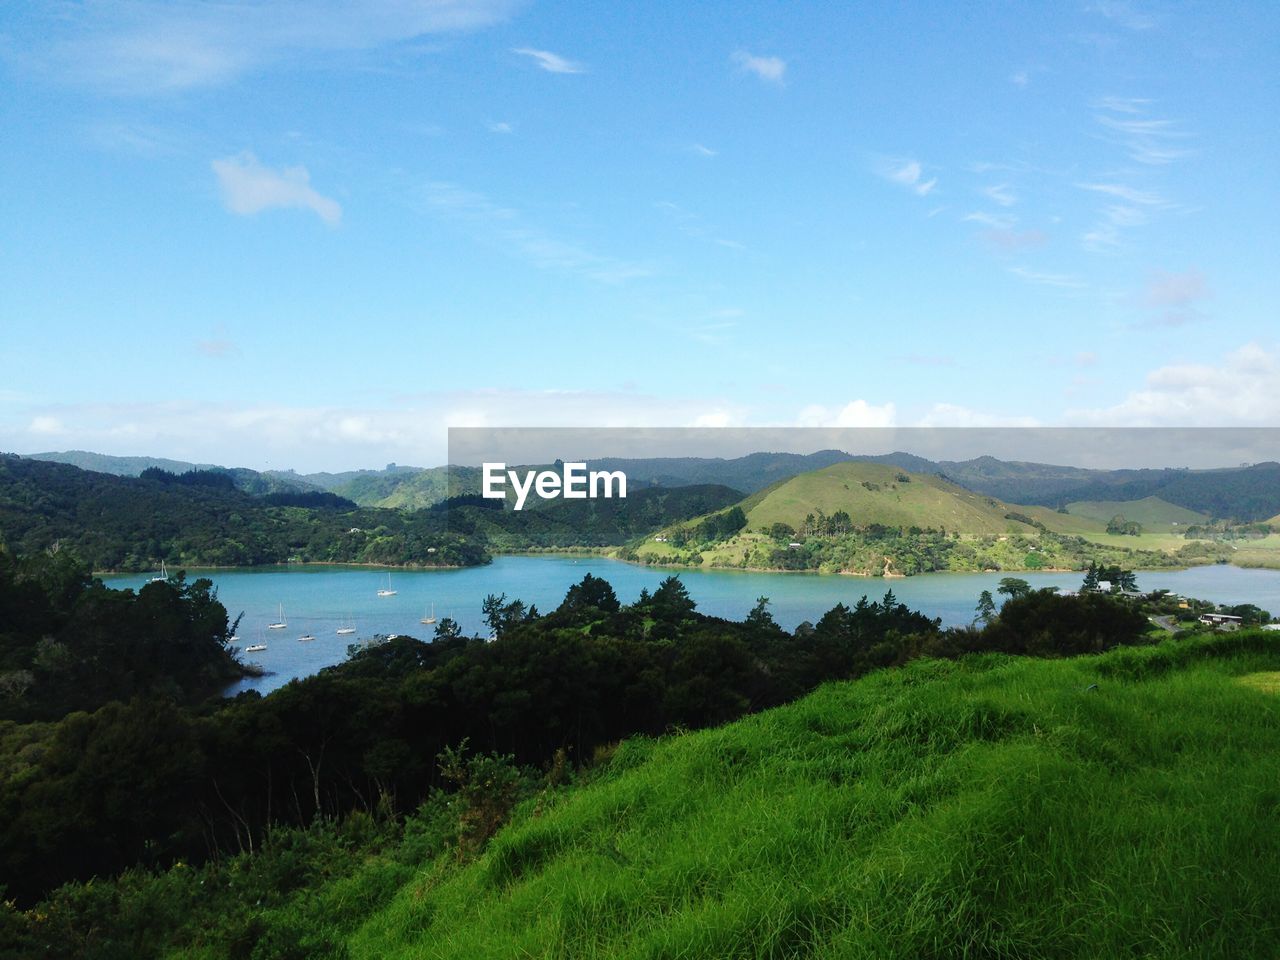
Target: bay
point(317, 600)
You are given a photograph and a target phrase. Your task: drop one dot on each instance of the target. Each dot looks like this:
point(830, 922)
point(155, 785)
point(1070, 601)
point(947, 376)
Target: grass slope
point(875, 493)
point(1151, 512)
point(1118, 806)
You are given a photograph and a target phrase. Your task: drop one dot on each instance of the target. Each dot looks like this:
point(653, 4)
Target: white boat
point(348, 627)
point(255, 648)
point(280, 623)
point(430, 617)
point(305, 636)
point(164, 575)
point(387, 591)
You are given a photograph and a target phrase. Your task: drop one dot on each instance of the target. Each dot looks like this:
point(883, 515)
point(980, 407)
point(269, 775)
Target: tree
point(986, 607)
point(760, 615)
point(1090, 578)
point(1013, 587)
point(592, 593)
point(671, 601)
point(448, 629)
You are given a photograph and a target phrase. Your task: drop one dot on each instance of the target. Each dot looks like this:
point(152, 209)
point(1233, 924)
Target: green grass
point(871, 493)
point(1151, 512)
point(1120, 806)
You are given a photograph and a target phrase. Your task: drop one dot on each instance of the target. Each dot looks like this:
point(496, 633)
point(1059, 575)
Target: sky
point(316, 235)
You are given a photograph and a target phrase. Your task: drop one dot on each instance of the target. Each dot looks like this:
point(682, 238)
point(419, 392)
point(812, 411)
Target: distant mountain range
point(1249, 493)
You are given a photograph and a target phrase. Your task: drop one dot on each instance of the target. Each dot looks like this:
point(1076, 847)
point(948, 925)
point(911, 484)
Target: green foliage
point(122, 523)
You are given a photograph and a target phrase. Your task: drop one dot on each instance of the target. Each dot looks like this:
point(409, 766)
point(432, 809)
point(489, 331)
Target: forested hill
point(197, 519)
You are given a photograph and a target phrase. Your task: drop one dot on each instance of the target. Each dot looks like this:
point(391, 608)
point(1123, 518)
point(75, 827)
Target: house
point(1271, 626)
point(1221, 621)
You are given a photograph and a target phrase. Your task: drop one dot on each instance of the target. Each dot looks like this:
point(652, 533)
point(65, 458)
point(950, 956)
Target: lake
point(317, 600)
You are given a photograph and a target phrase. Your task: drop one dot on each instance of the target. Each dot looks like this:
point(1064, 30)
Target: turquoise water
point(319, 599)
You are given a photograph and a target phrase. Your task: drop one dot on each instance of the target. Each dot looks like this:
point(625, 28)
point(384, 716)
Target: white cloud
point(1239, 390)
point(1062, 280)
point(909, 174)
point(1129, 194)
point(501, 127)
point(46, 426)
point(1153, 142)
point(953, 415)
point(703, 151)
point(995, 221)
point(248, 187)
point(146, 47)
point(772, 69)
point(551, 62)
point(1001, 194)
point(859, 413)
point(1124, 13)
point(1173, 299)
point(1021, 78)
point(506, 227)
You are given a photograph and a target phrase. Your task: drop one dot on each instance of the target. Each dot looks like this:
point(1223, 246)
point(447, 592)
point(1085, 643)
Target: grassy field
point(1119, 806)
point(874, 493)
point(1153, 513)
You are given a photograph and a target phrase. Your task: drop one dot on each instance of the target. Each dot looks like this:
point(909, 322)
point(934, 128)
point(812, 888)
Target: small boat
point(305, 636)
point(429, 617)
point(255, 648)
point(280, 623)
point(348, 627)
point(387, 591)
point(164, 575)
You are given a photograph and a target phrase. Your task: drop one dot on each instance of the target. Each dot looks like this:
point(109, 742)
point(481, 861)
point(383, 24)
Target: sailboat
point(348, 627)
point(280, 623)
point(429, 617)
point(255, 648)
point(164, 575)
point(387, 591)
point(306, 636)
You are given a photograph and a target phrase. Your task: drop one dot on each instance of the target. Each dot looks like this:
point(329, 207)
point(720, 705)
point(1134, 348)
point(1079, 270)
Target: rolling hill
point(874, 493)
point(1152, 512)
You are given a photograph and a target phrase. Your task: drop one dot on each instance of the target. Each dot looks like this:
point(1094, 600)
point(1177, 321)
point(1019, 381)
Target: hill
point(989, 807)
point(877, 494)
point(1152, 512)
point(250, 481)
point(992, 807)
point(127, 523)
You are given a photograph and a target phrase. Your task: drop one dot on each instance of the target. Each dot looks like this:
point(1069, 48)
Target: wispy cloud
point(507, 227)
point(692, 225)
point(144, 47)
point(218, 345)
point(1008, 240)
point(907, 173)
point(248, 187)
point(501, 127)
point(1146, 198)
point(1174, 299)
point(1124, 13)
point(550, 62)
point(1146, 140)
point(1000, 194)
point(702, 150)
point(1060, 280)
point(954, 415)
point(772, 69)
point(996, 221)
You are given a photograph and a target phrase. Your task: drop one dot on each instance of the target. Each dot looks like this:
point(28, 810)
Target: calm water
point(319, 599)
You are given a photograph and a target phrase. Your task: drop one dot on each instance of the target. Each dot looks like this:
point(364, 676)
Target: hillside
point(1153, 513)
point(874, 519)
point(250, 481)
point(877, 493)
point(993, 807)
point(127, 523)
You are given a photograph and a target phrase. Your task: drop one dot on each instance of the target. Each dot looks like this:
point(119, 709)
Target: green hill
point(1153, 513)
point(877, 493)
point(993, 807)
point(1114, 806)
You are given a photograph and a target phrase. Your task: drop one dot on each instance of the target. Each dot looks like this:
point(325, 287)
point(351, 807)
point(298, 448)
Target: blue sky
point(316, 235)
